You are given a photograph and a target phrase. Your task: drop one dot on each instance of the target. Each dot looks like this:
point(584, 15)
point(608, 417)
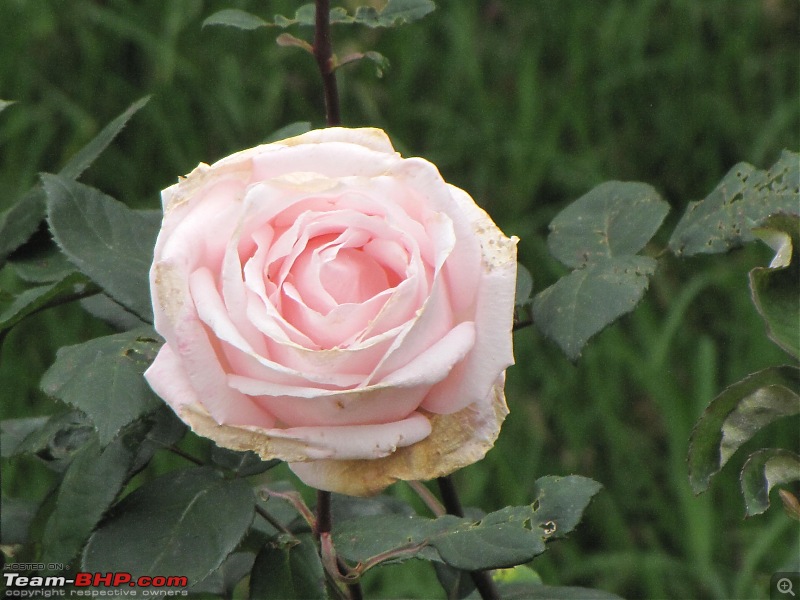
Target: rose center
point(350, 275)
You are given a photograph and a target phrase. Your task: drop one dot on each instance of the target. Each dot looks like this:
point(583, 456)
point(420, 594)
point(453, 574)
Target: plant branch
point(272, 520)
point(324, 57)
point(482, 579)
point(428, 498)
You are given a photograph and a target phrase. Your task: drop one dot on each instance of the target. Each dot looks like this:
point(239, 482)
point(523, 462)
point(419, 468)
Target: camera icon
point(784, 585)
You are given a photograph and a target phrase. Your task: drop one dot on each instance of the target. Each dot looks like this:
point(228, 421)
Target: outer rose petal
point(456, 440)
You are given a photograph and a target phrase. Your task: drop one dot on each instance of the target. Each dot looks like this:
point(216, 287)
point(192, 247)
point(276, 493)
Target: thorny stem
point(324, 56)
point(482, 579)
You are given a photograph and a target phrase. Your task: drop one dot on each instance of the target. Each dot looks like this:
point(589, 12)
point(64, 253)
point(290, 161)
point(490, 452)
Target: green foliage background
point(527, 105)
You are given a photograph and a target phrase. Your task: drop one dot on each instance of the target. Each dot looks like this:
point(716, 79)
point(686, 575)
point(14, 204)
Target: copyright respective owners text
point(27, 582)
point(785, 585)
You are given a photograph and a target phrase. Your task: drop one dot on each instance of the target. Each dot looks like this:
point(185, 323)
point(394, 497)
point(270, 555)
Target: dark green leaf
point(524, 285)
point(744, 197)
point(222, 582)
point(776, 289)
point(615, 219)
point(507, 537)
point(581, 304)
point(14, 431)
point(287, 569)
point(165, 430)
point(533, 591)
point(72, 287)
point(105, 239)
point(396, 12)
point(84, 157)
point(58, 437)
point(243, 464)
point(183, 523)
point(734, 416)
point(233, 17)
point(105, 309)
point(19, 222)
point(91, 483)
point(103, 378)
point(44, 266)
point(764, 470)
point(289, 131)
point(16, 515)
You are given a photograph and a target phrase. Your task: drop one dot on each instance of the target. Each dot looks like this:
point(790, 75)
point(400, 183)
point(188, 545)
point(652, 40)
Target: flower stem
point(482, 579)
point(324, 56)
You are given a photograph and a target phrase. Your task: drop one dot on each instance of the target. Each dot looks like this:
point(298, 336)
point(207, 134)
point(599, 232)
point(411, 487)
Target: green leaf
point(243, 464)
point(43, 266)
point(764, 470)
point(533, 591)
point(744, 197)
point(105, 239)
point(615, 219)
point(305, 15)
point(4, 104)
point(20, 221)
point(183, 523)
point(735, 415)
point(776, 289)
point(524, 285)
point(381, 62)
point(289, 131)
point(103, 378)
point(84, 157)
point(396, 12)
point(58, 438)
point(504, 538)
point(91, 483)
point(165, 430)
point(581, 304)
point(72, 287)
point(14, 431)
point(16, 516)
point(233, 17)
point(288, 568)
point(105, 309)
point(222, 582)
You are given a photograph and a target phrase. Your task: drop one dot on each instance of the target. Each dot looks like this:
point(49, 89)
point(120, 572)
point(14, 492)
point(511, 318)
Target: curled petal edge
point(456, 440)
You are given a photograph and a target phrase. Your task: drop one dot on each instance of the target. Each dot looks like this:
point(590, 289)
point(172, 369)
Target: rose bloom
point(329, 303)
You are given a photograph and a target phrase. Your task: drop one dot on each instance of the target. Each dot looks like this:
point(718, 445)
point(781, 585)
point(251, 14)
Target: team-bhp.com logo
point(86, 584)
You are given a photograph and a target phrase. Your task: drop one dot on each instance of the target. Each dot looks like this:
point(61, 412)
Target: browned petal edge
point(456, 440)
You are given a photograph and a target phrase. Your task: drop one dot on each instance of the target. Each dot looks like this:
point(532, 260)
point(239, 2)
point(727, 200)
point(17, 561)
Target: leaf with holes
point(504, 538)
point(587, 300)
point(103, 378)
point(183, 523)
point(614, 219)
point(734, 416)
point(744, 197)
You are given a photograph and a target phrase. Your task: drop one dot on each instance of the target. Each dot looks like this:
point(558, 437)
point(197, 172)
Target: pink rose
point(329, 303)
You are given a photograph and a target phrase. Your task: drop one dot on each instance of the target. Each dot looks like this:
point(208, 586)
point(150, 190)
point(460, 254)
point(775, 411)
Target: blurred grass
point(527, 105)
